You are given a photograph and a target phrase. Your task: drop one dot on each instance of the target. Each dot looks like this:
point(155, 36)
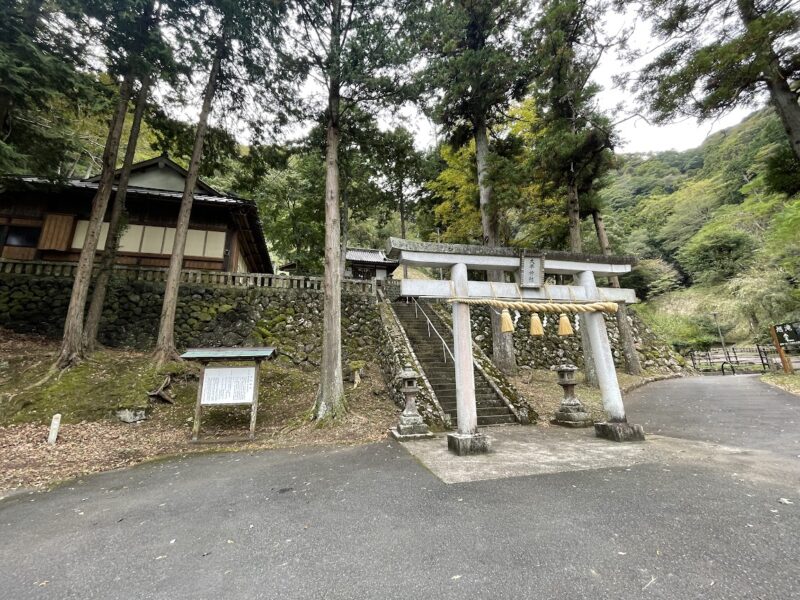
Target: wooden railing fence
point(211, 278)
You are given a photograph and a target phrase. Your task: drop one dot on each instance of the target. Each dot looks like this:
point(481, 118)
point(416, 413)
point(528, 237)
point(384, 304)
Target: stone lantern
point(571, 413)
point(411, 425)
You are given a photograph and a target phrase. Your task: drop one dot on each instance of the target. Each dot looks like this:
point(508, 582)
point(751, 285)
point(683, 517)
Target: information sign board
point(788, 335)
point(228, 385)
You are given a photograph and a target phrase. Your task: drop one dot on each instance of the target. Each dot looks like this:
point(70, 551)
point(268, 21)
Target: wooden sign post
point(227, 385)
point(789, 335)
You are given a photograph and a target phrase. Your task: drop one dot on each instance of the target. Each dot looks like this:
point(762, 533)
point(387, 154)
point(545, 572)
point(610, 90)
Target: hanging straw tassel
point(506, 324)
point(536, 325)
point(564, 326)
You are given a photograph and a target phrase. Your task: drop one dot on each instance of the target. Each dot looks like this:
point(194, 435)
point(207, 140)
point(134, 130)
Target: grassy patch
point(684, 317)
point(790, 383)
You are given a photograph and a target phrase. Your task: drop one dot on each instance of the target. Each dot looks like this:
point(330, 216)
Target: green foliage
point(476, 62)
point(783, 172)
point(176, 138)
point(720, 223)
point(575, 144)
point(456, 189)
point(40, 53)
point(718, 55)
point(680, 330)
point(717, 254)
point(291, 203)
point(651, 277)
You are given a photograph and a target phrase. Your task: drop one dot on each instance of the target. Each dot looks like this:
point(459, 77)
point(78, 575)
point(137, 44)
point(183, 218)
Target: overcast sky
point(636, 134)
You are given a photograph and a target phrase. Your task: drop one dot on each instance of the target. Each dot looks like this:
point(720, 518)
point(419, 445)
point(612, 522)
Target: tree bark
point(402, 206)
point(786, 105)
point(115, 223)
point(626, 339)
point(574, 216)
point(783, 98)
point(165, 344)
point(345, 228)
point(72, 344)
point(576, 245)
point(502, 344)
point(330, 401)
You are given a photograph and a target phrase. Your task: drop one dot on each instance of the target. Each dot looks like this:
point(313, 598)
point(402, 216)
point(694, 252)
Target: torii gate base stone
point(530, 271)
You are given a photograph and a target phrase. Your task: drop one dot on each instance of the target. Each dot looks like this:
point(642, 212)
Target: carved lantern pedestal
point(571, 413)
point(411, 425)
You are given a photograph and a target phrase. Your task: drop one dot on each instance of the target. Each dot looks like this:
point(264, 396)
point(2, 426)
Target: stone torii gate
point(529, 270)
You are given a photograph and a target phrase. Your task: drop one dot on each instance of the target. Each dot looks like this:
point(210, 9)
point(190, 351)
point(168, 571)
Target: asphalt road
point(372, 522)
point(736, 411)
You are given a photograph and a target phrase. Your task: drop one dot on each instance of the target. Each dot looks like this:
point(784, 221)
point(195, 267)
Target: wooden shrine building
point(42, 220)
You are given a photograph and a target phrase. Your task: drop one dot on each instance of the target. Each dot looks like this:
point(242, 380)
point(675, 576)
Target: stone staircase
point(441, 374)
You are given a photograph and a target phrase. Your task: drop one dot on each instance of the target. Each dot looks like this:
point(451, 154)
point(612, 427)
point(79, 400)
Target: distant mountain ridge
point(713, 232)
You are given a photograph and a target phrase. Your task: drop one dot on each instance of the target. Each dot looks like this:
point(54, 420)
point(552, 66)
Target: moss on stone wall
point(290, 319)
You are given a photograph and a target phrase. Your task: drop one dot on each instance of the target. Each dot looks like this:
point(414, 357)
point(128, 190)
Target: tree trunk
point(786, 105)
point(502, 343)
point(626, 338)
point(783, 98)
point(345, 228)
point(602, 238)
point(115, 224)
point(330, 401)
point(576, 245)
point(165, 344)
point(574, 215)
point(72, 345)
point(402, 206)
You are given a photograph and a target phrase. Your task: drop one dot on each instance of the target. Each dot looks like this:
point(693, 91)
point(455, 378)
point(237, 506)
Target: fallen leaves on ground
point(27, 461)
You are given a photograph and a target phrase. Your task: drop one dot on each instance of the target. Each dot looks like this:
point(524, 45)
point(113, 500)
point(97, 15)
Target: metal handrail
point(432, 326)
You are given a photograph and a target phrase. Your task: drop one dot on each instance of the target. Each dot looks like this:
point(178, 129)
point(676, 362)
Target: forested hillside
point(717, 229)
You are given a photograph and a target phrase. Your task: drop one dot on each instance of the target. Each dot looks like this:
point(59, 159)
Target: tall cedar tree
point(115, 225)
point(243, 48)
point(125, 36)
point(360, 167)
point(478, 65)
point(404, 171)
point(359, 53)
point(576, 144)
point(155, 59)
point(720, 54)
point(41, 49)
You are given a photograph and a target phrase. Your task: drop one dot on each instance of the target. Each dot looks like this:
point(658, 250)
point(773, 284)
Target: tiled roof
point(368, 255)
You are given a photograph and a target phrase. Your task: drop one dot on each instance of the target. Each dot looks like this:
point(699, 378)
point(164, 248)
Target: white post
point(55, 424)
point(603, 359)
point(462, 353)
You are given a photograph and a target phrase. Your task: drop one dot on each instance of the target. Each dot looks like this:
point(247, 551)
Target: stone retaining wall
point(290, 319)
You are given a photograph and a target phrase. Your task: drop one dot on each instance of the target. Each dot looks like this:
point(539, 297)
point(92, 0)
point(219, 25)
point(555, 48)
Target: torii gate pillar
point(467, 440)
point(617, 427)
